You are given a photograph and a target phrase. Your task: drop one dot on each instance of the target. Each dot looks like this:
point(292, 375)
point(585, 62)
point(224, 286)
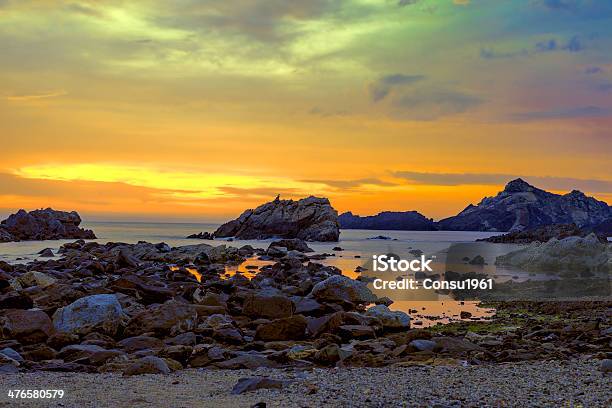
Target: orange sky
point(140, 111)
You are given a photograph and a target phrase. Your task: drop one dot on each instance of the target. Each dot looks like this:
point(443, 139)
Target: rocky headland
point(309, 219)
point(521, 206)
point(42, 225)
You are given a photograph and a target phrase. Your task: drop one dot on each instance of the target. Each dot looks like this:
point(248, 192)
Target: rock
point(331, 354)
point(147, 365)
point(26, 326)
point(76, 352)
point(355, 331)
point(477, 260)
point(9, 352)
point(42, 225)
point(294, 244)
point(59, 340)
point(170, 318)
point(542, 233)
point(256, 383)
point(246, 360)
point(309, 219)
point(422, 345)
point(569, 254)
point(276, 252)
point(456, 345)
point(95, 312)
point(269, 306)
point(307, 306)
point(148, 294)
point(132, 344)
point(522, 206)
point(465, 315)
point(289, 328)
point(13, 300)
point(340, 288)
point(381, 237)
point(388, 220)
point(391, 320)
point(6, 360)
point(46, 253)
point(605, 365)
point(202, 235)
point(35, 278)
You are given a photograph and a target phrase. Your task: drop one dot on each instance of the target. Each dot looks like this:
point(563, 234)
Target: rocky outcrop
point(569, 254)
point(540, 234)
point(42, 225)
point(310, 219)
point(522, 206)
point(388, 220)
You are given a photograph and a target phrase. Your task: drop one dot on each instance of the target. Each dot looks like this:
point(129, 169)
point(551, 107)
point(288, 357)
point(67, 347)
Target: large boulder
point(289, 328)
point(269, 306)
point(43, 224)
point(26, 326)
point(340, 288)
point(170, 318)
point(310, 219)
point(147, 365)
point(391, 320)
point(569, 254)
point(100, 312)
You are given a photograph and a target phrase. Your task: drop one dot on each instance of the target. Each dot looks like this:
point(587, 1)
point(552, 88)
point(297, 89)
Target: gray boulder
point(392, 320)
point(102, 312)
point(339, 288)
point(309, 219)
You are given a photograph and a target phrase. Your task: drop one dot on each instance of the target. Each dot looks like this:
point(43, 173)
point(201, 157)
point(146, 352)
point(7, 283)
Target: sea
point(354, 249)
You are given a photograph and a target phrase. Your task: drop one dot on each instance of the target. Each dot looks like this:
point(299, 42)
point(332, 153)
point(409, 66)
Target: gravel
point(538, 383)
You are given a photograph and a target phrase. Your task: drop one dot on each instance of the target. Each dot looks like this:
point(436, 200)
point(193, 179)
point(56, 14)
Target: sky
point(197, 110)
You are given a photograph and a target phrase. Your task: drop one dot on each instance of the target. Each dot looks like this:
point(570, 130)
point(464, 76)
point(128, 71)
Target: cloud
point(261, 192)
point(384, 85)
point(29, 97)
point(552, 183)
point(325, 113)
point(564, 113)
point(350, 184)
point(433, 103)
point(607, 87)
point(586, 9)
point(593, 70)
point(572, 44)
point(404, 3)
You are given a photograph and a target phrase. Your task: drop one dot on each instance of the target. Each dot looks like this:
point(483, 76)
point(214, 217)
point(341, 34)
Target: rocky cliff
point(388, 220)
point(310, 219)
point(522, 206)
point(43, 224)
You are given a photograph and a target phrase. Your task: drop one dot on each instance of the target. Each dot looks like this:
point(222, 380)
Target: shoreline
point(539, 383)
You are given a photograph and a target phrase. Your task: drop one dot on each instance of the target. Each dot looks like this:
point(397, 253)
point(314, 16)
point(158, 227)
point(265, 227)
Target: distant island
point(388, 220)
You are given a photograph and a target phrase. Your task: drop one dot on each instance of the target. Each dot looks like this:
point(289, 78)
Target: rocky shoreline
point(140, 308)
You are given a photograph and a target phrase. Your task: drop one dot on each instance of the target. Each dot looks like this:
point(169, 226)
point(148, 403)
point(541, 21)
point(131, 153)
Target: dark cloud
point(434, 103)
point(349, 184)
point(593, 70)
point(552, 183)
point(607, 87)
point(572, 44)
point(564, 113)
point(384, 85)
point(587, 9)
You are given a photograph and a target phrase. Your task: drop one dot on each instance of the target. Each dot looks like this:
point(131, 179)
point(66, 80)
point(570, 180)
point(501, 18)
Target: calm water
point(357, 251)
